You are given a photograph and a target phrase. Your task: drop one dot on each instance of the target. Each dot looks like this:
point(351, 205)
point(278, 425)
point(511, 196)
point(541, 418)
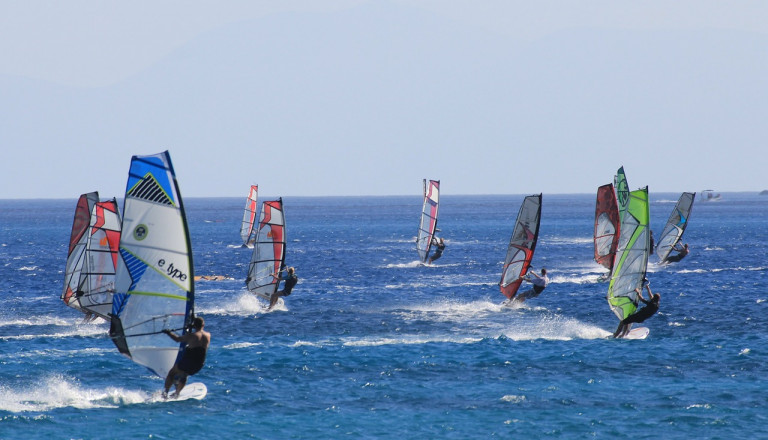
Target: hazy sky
point(369, 97)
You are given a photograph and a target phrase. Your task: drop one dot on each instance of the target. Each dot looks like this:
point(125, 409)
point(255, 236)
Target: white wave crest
point(244, 304)
point(411, 264)
point(555, 328)
point(59, 392)
point(239, 345)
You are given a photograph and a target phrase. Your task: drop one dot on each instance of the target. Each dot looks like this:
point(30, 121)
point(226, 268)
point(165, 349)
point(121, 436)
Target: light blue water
point(372, 345)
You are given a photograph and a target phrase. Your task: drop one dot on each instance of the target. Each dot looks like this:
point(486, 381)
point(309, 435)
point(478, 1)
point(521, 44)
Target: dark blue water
point(373, 345)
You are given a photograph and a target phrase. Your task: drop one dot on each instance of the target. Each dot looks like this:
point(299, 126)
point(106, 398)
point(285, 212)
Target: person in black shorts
point(650, 309)
point(290, 279)
point(439, 251)
point(193, 358)
point(681, 253)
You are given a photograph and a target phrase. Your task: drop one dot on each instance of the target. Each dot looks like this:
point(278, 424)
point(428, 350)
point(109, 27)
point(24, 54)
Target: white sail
point(268, 255)
point(98, 273)
point(154, 280)
point(249, 214)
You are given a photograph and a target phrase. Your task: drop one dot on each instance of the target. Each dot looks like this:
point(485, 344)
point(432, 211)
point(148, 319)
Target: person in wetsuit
point(290, 279)
point(539, 284)
point(681, 253)
point(439, 251)
point(650, 309)
point(193, 358)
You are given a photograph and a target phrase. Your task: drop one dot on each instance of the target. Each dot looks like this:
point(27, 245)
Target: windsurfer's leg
point(627, 328)
point(273, 299)
point(169, 380)
point(182, 380)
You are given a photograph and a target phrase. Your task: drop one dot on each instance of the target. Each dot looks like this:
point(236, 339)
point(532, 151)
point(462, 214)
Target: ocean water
point(373, 345)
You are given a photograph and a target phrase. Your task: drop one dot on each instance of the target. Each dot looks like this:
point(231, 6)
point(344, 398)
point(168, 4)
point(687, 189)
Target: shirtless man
point(193, 358)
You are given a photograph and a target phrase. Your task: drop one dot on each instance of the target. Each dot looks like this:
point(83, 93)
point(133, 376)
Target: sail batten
point(428, 224)
point(631, 261)
point(268, 255)
point(521, 246)
point(154, 280)
point(675, 226)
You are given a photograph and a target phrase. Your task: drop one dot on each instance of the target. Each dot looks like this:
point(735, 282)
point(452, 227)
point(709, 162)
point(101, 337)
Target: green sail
point(632, 255)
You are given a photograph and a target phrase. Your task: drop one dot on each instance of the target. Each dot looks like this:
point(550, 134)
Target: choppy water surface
point(373, 345)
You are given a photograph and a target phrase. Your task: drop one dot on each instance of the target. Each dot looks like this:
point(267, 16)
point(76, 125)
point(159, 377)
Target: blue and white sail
point(154, 279)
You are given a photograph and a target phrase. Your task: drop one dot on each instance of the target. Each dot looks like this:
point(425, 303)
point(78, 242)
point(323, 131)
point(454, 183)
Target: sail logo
point(172, 271)
point(140, 232)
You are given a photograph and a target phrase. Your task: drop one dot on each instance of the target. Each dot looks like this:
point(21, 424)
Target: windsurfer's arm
point(172, 335)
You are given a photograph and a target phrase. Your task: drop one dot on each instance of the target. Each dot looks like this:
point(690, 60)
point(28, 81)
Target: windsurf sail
point(521, 245)
point(631, 259)
point(606, 226)
point(249, 216)
point(154, 279)
point(676, 224)
point(428, 218)
point(622, 192)
point(268, 255)
point(98, 273)
point(76, 256)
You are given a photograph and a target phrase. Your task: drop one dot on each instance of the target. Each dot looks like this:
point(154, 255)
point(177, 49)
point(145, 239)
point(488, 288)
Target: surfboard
point(636, 333)
point(195, 390)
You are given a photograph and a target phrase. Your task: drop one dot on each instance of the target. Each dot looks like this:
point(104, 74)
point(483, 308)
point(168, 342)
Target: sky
point(355, 97)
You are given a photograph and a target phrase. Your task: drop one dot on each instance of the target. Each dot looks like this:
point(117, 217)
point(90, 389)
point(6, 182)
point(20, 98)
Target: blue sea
point(373, 345)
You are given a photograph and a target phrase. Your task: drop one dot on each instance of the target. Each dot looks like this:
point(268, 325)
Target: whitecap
point(58, 392)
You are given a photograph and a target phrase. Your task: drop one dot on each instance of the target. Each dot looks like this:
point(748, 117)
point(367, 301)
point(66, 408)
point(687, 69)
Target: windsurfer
point(193, 358)
point(439, 251)
point(539, 284)
point(650, 309)
point(682, 251)
point(290, 279)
